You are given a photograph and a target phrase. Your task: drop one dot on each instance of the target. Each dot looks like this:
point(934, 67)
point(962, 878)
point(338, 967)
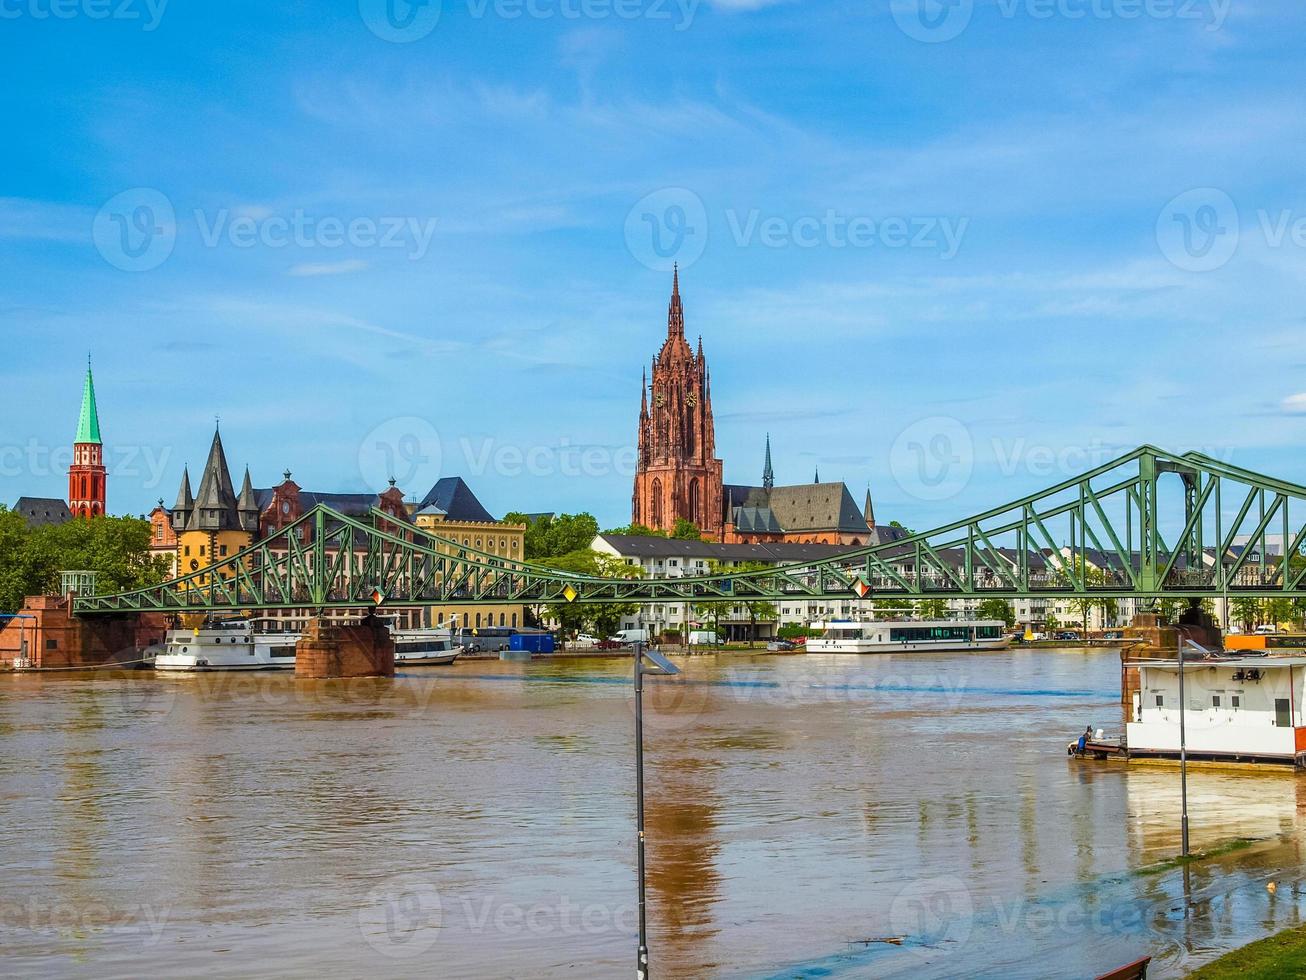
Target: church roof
point(798, 508)
point(757, 520)
point(88, 422)
point(452, 495)
point(215, 503)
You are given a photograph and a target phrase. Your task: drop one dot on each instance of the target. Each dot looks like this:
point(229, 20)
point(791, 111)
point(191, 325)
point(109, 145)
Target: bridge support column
point(362, 649)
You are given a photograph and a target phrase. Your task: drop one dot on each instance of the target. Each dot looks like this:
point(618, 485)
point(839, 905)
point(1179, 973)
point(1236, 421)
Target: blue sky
point(1018, 236)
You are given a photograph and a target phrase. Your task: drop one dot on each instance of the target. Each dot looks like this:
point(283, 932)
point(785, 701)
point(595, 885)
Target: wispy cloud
point(343, 267)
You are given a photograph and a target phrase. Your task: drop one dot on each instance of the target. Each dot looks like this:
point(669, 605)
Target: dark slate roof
point(756, 520)
point(638, 546)
point(801, 507)
point(456, 499)
point(43, 510)
point(816, 507)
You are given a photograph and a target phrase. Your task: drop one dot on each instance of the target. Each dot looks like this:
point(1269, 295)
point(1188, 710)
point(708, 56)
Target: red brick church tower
point(677, 473)
point(86, 475)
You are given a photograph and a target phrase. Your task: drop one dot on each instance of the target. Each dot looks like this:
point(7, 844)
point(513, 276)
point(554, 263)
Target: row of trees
point(117, 549)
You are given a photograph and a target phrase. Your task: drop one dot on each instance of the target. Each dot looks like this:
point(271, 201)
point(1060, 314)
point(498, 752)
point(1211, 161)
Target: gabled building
point(215, 523)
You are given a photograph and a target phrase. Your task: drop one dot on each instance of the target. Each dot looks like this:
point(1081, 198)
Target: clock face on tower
point(659, 399)
point(692, 398)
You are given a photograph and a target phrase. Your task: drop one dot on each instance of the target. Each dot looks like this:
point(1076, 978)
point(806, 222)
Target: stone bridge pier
point(362, 649)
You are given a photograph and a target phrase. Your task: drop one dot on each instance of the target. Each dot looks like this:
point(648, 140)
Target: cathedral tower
point(677, 474)
point(86, 475)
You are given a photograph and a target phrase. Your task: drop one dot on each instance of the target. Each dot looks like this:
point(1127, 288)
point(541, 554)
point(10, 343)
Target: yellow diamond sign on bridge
point(570, 593)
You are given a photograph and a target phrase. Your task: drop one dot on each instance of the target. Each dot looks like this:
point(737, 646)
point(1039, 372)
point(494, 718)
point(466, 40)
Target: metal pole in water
point(641, 959)
point(1183, 760)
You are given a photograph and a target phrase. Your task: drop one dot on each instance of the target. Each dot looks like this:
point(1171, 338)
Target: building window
point(514, 619)
point(478, 620)
point(502, 619)
point(201, 551)
point(222, 550)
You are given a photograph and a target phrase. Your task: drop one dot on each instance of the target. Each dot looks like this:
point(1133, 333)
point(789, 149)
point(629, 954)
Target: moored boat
point(909, 636)
point(424, 648)
point(231, 644)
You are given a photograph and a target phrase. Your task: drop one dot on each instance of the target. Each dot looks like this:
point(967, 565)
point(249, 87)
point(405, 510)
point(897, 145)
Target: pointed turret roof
point(246, 501)
point(185, 499)
point(88, 423)
point(816, 475)
point(768, 474)
point(868, 511)
point(215, 504)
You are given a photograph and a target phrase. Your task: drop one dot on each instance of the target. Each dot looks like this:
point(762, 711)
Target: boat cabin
point(1237, 708)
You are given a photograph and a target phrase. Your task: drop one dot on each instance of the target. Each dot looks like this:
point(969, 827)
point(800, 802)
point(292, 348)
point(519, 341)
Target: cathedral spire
point(768, 474)
point(867, 510)
point(675, 314)
point(816, 476)
point(643, 394)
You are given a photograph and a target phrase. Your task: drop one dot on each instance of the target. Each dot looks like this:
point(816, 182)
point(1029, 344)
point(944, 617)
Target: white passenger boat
point(424, 648)
point(909, 636)
point(231, 644)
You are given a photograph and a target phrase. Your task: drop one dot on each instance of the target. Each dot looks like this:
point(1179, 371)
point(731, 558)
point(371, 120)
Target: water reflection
point(801, 812)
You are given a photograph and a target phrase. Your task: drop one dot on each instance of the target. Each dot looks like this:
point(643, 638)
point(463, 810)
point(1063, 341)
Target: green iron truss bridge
point(1096, 536)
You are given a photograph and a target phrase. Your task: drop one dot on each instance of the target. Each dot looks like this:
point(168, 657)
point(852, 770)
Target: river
point(807, 817)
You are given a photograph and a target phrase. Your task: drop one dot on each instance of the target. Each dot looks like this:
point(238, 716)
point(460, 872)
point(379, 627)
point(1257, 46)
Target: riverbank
point(1279, 956)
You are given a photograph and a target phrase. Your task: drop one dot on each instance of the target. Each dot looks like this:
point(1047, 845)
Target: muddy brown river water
point(807, 817)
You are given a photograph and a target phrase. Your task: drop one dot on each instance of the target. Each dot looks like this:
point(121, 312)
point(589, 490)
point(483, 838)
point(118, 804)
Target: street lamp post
point(660, 665)
point(1183, 754)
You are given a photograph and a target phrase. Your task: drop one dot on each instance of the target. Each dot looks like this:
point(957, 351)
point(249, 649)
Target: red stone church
point(678, 474)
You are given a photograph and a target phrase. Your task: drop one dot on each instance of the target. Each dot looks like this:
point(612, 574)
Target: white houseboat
point(1239, 708)
point(909, 636)
point(226, 645)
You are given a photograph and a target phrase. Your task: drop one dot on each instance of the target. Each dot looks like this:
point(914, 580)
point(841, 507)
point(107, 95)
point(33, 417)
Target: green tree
point(637, 530)
point(891, 607)
point(995, 608)
point(932, 608)
point(603, 618)
point(117, 549)
point(686, 530)
point(551, 536)
point(1246, 611)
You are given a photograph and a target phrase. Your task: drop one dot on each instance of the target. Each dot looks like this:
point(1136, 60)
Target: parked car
point(1067, 635)
point(627, 637)
point(778, 644)
point(585, 640)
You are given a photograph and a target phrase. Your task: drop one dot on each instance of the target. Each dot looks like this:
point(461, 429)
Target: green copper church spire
point(88, 423)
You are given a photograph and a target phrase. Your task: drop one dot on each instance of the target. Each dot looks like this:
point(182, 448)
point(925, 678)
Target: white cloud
point(328, 268)
point(1294, 404)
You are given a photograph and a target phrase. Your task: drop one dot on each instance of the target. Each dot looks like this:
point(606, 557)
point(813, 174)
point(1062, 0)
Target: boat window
point(1235, 701)
point(1215, 700)
point(1160, 700)
point(1282, 713)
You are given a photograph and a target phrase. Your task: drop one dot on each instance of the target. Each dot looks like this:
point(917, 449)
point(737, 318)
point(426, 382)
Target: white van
point(703, 638)
point(627, 637)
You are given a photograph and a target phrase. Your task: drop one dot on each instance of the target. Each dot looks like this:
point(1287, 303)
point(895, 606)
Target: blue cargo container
point(534, 642)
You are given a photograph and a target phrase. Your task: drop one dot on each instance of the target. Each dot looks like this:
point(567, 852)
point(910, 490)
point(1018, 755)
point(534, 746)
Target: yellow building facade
point(492, 537)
